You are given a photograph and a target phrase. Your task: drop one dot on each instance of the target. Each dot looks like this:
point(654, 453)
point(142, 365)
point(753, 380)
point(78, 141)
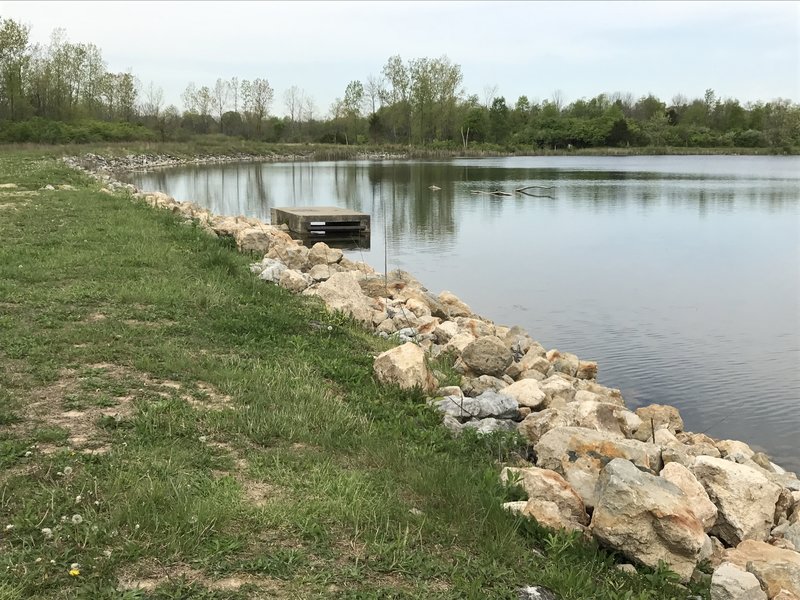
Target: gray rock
point(271, 270)
point(729, 582)
point(488, 404)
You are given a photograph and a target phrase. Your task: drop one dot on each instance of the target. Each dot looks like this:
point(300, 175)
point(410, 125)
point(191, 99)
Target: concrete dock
point(321, 220)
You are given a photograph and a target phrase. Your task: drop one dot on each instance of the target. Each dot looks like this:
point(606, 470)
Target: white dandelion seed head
point(74, 566)
point(68, 471)
point(9, 527)
point(77, 519)
point(78, 499)
point(47, 532)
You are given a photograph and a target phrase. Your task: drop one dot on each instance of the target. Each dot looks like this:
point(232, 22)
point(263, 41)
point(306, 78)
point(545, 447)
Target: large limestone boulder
point(587, 369)
point(270, 270)
point(729, 582)
point(548, 514)
point(341, 292)
point(527, 392)
point(647, 519)
point(224, 226)
point(475, 386)
point(658, 416)
point(458, 343)
point(703, 508)
point(488, 404)
point(776, 568)
point(563, 362)
point(252, 239)
point(580, 454)
point(530, 361)
point(293, 256)
point(744, 497)
point(322, 272)
point(404, 366)
point(322, 254)
point(477, 327)
point(547, 485)
point(454, 306)
point(487, 355)
point(536, 424)
point(559, 391)
point(295, 281)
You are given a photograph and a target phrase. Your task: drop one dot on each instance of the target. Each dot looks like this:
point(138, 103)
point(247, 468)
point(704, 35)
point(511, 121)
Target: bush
point(44, 131)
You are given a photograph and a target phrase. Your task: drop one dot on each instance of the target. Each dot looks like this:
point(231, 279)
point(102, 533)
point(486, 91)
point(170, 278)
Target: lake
point(680, 275)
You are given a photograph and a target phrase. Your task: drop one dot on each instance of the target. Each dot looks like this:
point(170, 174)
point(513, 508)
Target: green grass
point(230, 438)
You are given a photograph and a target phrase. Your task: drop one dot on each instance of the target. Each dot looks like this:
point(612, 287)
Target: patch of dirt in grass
point(209, 398)
point(147, 575)
point(96, 317)
point(84, 423)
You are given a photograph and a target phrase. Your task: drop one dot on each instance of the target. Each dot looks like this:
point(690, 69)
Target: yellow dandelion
point(74, 572)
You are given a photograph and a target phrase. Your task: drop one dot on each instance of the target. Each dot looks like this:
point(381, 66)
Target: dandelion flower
point(78, 499)
point(67, 471)
point(74, 572)
point(47, 532)
point(77, 519)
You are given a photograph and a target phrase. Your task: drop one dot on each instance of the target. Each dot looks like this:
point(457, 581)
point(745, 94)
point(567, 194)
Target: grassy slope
point(243, 451)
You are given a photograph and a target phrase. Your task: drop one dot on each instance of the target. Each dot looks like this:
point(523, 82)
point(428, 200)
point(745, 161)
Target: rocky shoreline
point(636, 481)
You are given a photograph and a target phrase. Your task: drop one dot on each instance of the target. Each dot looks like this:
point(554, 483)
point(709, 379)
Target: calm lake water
point(679, 275)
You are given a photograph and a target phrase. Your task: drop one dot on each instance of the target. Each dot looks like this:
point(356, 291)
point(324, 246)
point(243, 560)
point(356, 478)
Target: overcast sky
point(750, 51)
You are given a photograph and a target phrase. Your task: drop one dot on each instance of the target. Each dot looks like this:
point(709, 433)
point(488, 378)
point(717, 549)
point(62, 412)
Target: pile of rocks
point(634, 480)
point(97, 164)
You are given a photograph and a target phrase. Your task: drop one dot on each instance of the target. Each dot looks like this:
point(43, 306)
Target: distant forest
point(63, 93)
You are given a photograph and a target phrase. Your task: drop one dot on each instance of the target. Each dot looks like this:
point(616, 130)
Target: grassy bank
point(218, 145)
point(173, 428)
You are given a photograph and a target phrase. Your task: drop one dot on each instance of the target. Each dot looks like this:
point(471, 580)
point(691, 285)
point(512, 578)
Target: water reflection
point(678, 274)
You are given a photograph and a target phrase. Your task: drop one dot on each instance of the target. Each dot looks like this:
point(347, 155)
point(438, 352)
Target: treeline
point(63, 92)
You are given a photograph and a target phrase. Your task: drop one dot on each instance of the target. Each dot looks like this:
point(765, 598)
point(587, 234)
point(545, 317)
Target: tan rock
point(293, 256)
point(487, 355)
point(587, 369)
point(580, 454)
point(647, 519)
point(547, 485)
point(776, 569)
point(295, 281)
point(744, 497)
point(526, 392)
point(404, 366)
point(683, 478)
point(322, 254)
point(477, 327)
point(547, 514)
point(658, 416)
point(341, 292)
point(454, 306)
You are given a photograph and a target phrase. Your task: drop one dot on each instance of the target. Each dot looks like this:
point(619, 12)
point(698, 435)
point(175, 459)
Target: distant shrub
point(44, 131)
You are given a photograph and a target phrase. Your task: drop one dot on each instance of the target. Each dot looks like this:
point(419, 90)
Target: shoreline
point(510, 383)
